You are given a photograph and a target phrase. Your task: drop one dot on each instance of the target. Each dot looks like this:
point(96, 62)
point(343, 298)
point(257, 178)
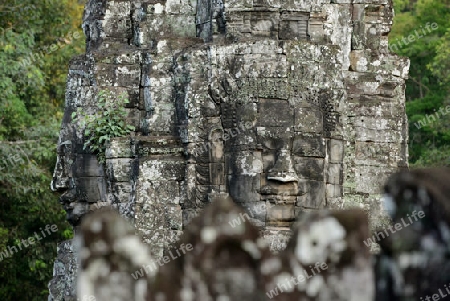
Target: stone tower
point(284, 105)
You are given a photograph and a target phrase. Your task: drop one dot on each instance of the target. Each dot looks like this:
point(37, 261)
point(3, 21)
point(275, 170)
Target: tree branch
point(419, 83)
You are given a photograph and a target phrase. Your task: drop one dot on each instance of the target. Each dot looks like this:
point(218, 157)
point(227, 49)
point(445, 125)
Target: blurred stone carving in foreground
point(326, 258)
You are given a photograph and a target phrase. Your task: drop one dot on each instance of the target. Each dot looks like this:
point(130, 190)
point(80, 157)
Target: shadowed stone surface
point(415, 262)
point(65, 270)
point(286, 106)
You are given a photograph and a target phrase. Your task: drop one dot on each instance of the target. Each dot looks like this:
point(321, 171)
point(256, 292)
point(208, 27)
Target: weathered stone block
point(308, 145)
point(378, 129)
point(91, 189)
point(160, 121)
point(381, 154)
point(293, 26)
point(277, 190)
point(120, 147)
point(119, 169)
point(157, 170)
point(273, 138)
point(174, 217)
point(166, 191)
point(370, 179)
point(160, 25)
point(311, 194)
point(334, 191)
point(316, 30)
point(148, 146)
point(247, 163)
point(88, 166)
point(308, 120)
point(123, 192)
point(255, 23)
point(217, 173)
point(280, 215)
point(335, 149)
point(309, 168)
point(273, 88)
point(375, 106)
point(118, 75)
point(243, 188)
point(334, 173)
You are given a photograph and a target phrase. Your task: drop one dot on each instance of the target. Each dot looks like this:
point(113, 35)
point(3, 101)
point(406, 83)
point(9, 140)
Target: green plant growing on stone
point(108, 122)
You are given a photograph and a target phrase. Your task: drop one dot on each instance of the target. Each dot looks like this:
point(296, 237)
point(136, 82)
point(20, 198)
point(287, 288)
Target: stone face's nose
point(283, 170)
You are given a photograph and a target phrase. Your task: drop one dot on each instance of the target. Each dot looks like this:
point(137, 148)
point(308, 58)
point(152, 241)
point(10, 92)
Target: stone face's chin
point(75, 210)
point(72, 219)
point(75, 214)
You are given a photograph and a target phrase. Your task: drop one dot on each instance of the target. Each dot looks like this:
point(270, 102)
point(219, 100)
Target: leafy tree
point(108, 122)
point(32, 82)
point(429, 83)
point(440, 65)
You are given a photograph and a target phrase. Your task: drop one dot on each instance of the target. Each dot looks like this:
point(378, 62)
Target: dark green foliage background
point(428, 88)
point(31, 105)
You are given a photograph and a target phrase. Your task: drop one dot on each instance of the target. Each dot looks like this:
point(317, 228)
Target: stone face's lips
point(281, 188)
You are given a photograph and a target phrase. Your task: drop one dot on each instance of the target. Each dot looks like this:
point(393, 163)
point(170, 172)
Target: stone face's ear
point(220, 255)
point(114, 263)
point(326, 259)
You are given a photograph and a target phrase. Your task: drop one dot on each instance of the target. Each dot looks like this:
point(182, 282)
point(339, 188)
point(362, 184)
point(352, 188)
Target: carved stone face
point(289, 153)
point(276, 164)
point(79, 178)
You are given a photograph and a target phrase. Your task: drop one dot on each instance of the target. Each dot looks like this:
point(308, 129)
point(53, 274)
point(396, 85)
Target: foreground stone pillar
point(415, 250)
point(221, 256)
